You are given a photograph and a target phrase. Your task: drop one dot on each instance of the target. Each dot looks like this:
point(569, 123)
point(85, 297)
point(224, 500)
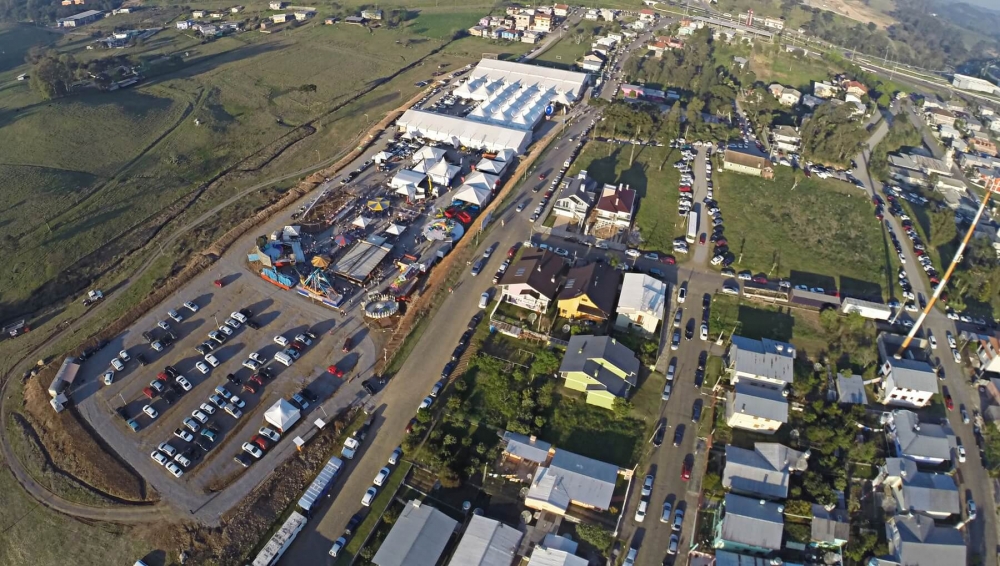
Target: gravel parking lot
point(277, 312)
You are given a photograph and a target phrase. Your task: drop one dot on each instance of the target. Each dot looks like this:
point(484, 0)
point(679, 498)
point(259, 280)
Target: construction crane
point(992, 185)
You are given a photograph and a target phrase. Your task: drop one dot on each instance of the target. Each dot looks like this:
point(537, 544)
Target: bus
point(692, 234)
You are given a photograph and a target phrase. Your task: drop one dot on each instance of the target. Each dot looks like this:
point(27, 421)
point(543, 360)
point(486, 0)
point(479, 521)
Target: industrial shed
point(459, 132)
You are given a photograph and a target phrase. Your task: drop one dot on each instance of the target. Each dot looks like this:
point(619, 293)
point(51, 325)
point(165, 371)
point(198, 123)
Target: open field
point(16, 40)
point(772, 64)
point(657, 218)
point(566, 51)
point(443, 24)
point(817, 232)
point(756, 320)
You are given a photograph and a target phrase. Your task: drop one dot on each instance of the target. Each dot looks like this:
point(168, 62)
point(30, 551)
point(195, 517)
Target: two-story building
point(757, 406)
point(543, 23)
point(855, 88)
point(931, 494)
point(938, 116)
point(926, 443)
point(641, 304)
point(915, 540)
point(589, 292)
point(786, 138)
point(524, 20)
point(824, 90)
point(749, 526)
point(533, 282)
point(830, 530)
point(615, 206)
point(601, 367)
point(748, 162)
point(905, 382)
point(575, 198)
point(763, 472)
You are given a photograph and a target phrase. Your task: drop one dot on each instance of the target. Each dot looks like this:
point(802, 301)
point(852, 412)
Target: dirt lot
point(854, 10)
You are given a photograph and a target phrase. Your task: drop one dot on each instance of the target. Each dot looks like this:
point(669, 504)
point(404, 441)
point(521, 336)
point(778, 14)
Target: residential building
point(521, 448)
point(786, 138)
point(922, 163)
point(80, 19)
point(592, 62)
point(789, 97)
point(531, 37)
point(375, 14)
point(615, 206)
point(988, 352)
point(571, 480)
point(418, 536)
point(533, 282)
point(575, 198)
point(304, 15)
point(510, 35)
point(915, 540)
point(851, 390)
point(184, 24)
point(855, 88)
point(831, 530)
point(641, 304)
point(282, 18)
point(905, 382)
point(924, 443)
point(763, 472)
point(748, 162)
point(966, 82)
point(931, 494)
point(810, 101)
point(524, 20)
point(938, 116)
point(983, 146)
point(764, 360)
point(749, 525)
point(276, 5)
point(561, 10)
point(589, 292)
point(775, 89)
point(601, 367)
point(647, 15)
point(756, 405)
point(635, 91)
point(993, 123)
point(486, 542)
point(355, 20)
point(198, 14)
point(969, 122)
point(740, 62)
point(545, 555)
point(543, 23)
point(824, 90)
point(591, 14)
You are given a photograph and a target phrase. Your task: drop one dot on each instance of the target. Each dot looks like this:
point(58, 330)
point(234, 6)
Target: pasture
point(16, 40)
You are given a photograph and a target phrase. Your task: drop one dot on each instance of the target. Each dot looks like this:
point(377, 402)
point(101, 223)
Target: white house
point(906, 382)
point(616, 206)
point(763, 360)
point(786, 138)
point(641, 303)
point(575, 198)
point(935, 495)
point(756, 405)
point(924, 443)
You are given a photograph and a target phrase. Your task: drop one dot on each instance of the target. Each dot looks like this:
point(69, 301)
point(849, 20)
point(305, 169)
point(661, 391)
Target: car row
point(366, 500)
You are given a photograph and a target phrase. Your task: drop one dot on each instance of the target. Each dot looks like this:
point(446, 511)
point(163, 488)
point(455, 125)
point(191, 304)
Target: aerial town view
point(440, 283)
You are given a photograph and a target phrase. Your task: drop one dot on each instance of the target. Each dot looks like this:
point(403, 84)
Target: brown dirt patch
point(854, 10)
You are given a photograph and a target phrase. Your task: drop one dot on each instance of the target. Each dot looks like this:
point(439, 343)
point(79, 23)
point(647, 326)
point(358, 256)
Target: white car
point(233, 411)
point(951, 340)
point(682, 294)
point(207, 408)
point(239, 316)
point(382, 475)
point(150, 411)
point(253, 450)
point(156, 345)
point(369, 496)
point(167, 449)
point(956, 355)
point(192, 425)
point(199, 416)
point(226, 330)
point(304, 339)
point(257, 357)
point(191, 306)
point(961, 454)
point(202, 367)
point(647, 486)
point(123, 356)
point(632, 252)
point(163, 324)
point(234, 400)
point(484, 300)
point(426, 403)
point(281, 340)
point(117, 364)
point(269, 434)
point(640, 511)
point(184, 383)
point(159, 458)
point(175, 316)
point(109, 377)
point(184, 435)
point(704, 331)
point(933, 341)
point(251, 365)
point(212, 360)
point(232, 323)
point(338, 545)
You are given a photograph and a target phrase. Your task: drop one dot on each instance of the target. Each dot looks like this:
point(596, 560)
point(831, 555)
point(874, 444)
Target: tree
point(595, 535)
point(621, 408)
point(545, 363)
point(943, 228)
point(52, 74)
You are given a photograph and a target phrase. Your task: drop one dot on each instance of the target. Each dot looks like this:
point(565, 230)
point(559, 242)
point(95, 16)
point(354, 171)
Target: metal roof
point(913, 374)
point(922, 491)
point(763, 471)
point(543, 556)
point(643, 294)
point(765, 358)
point(359, 262)
point(917, 541)
point(921, 440)
point(829, 526)
point(319, 485)
point(574, 478)
point(851, 390)
point(486, 542)
point(757, 399)
point(526, 448)
point(752, 522)
point(585, 353)
point(418, 537)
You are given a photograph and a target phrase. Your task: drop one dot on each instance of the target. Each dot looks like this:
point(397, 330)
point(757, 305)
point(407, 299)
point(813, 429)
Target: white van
point(283, 358)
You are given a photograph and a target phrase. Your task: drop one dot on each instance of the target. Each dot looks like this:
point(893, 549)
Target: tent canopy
point(491, 167)
point(409, 190)
point(406, 177)
point(282, 414)
point(473, 194)
point(378, 204)
point(395, 229)
point(382, 156)
point(429, 153)
point(484, 180)
point(321, 261)
point(361, 222)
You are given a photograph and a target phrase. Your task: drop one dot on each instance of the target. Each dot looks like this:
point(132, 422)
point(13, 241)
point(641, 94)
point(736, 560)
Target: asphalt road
point(972, 476)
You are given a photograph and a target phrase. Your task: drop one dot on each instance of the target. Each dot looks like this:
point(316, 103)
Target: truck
point(16, 329)
point(93, 297)
point(351, 446)
point(692, 233)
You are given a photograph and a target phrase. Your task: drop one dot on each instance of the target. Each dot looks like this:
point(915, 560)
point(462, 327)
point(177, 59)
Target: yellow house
point(601, 367)
point(589, 292)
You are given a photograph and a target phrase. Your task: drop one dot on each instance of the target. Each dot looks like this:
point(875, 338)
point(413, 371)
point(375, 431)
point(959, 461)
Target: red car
point(464, 217)
point(450, 212)
point(335, 371)
point(512, 251)
point(409, 427)
point(701, 240)
point(219, 283)
point(149, 392)
point(684, 189)
point(162, 376)
point(721, 242)
point(541, 176)
point(668, 259)
point(760, 279)
point(947, 399)
point(686, 470)
point(250, 388)
point(259, 441)
point(257, 379)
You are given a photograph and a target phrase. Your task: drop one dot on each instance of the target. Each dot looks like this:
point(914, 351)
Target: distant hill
point(980, 19)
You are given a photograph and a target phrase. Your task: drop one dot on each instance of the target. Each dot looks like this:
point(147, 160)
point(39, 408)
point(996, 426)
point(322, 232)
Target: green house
point(601, 367)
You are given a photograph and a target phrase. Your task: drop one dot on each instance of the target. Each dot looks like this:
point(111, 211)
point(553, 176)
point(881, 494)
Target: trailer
point(692, 233)
point(320, 487)
point(93, 297)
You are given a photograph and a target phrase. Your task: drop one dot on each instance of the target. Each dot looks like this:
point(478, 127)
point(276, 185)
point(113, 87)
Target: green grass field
point(755, 320)
point(15, 41)
point(443, 25)
point(772, 64)
point(572, 47)
point(818, 232)
point(651, 175)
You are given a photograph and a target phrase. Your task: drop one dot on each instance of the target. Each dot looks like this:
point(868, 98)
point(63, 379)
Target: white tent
point(505, 155)
point(491, 167)
point(460, 131)
point(482, 180)
point(473, 194)
point(395, 229)
point(411, 192)
point(422, 166)
point(405, 178)
point(283, 415)
point(443, 172)
point(382, 156)
point(361, 222)
point(430, 153)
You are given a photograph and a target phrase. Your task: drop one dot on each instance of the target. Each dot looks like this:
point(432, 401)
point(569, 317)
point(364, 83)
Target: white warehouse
point(966, 82)
point(461, 132)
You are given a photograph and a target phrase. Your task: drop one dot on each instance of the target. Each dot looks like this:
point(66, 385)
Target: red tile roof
point(619, 201)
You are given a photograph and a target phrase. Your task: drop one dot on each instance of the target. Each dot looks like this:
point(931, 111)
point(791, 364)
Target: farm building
point(80, 19)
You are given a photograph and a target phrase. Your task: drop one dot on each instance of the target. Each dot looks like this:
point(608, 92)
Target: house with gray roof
point(749, 525)
point(571, 479)
point(575, 199)
point(486, 542)
point(851, 390)
point(830, 530)
point(546, 556)
point(762, 472)
point(764, 360)
point(756, 405)
point(526, 448)
point(915, 540)
point(935, 495)
point(924, 443)
point(908, 381)
point(601, 367)
point(419, 536)
point(641, 303)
